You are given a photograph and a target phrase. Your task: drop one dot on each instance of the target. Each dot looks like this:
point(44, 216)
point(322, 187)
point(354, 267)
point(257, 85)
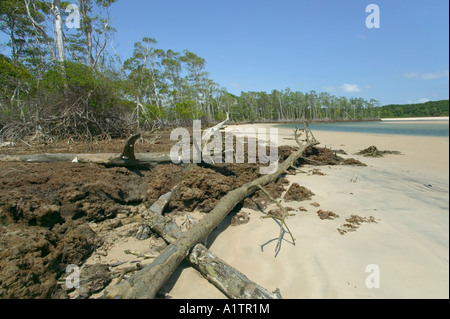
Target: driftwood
point(281, 217)
point(229, 280)
point(107, 159)
point(210, 131)
point(127, 158)
point(128, 150)
point(147, 282)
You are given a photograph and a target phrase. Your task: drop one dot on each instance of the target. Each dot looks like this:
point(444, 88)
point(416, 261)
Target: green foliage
point(151, 112)
point(17, 87)
point(76, 80)
point(427, 109)
point(99, 94)
point(14, 77)
point(187, 110)
point(290, 105)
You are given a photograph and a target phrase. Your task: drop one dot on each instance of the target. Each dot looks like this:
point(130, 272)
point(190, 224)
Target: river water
point(422, 127)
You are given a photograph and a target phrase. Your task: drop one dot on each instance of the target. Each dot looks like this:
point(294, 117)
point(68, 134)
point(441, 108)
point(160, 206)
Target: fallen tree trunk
point(227, 279)
point(231, 282)
point(127, 158)
point(147, 282)
point(107, 159)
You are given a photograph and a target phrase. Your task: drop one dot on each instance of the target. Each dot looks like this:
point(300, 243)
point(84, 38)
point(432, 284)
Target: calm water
point(401, 127)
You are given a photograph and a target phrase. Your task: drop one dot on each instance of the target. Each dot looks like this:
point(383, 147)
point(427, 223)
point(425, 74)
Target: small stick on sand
point(281, 218)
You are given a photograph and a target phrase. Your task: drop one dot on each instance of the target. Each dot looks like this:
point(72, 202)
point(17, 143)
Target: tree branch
point(147, 282)
point(281, 218)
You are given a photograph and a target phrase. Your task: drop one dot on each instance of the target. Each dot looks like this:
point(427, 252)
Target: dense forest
point(427, 109)
point(63, 81)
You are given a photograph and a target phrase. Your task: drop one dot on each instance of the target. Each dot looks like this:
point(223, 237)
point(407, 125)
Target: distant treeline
point(427, 109)
point(61, 83)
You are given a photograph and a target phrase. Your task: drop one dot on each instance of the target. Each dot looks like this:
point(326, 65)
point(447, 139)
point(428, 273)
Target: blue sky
point(320, 45)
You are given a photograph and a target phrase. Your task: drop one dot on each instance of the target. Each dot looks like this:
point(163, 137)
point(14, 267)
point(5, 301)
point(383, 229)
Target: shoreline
point(301, 121)
point(406, 194)
point(437, 118)
point(383, 129)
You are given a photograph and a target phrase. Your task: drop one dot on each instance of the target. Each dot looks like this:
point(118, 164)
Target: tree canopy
point(427, 109)
point(63, 81)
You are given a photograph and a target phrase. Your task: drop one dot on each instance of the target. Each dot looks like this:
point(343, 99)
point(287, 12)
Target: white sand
point(408, 194)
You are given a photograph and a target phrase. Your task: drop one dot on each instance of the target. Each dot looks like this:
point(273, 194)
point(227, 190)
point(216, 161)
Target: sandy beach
point(406, 251)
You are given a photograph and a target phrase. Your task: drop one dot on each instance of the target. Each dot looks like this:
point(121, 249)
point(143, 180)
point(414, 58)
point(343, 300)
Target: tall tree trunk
point(40, 30)
point(89, 46)
point(281, 107)
point(85, 9)
point(56, 7)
